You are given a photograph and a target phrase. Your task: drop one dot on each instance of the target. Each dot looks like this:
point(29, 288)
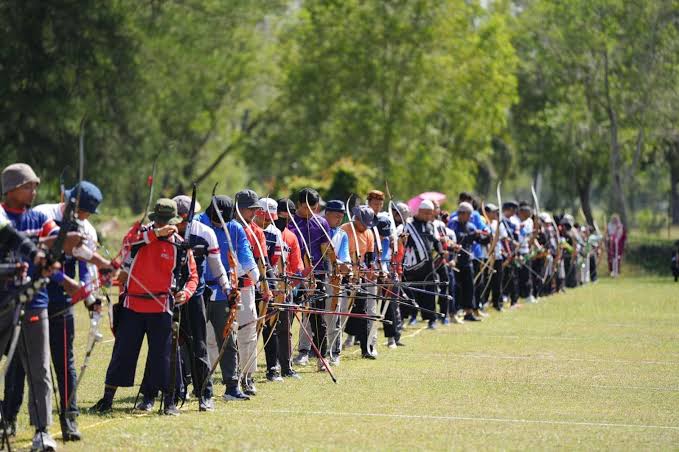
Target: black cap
point(335, 205)
point(509, 205)
point(225, 206)
point(290, 205)
point(524, 206)
point(247, 199)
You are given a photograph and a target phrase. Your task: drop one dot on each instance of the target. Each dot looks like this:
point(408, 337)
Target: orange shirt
point(365, 239)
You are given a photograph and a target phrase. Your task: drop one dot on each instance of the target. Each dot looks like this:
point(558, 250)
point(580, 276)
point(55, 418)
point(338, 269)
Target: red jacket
point(150, 267)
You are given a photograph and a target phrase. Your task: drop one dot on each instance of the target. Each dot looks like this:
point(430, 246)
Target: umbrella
point(414, 203)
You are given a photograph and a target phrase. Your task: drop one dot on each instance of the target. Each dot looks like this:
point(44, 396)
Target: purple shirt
point(311, 234)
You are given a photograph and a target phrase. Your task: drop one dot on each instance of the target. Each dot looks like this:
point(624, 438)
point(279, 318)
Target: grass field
point(597, 367)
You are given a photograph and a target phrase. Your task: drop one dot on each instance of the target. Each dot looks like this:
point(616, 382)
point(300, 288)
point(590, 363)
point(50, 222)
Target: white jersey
point(503, 235)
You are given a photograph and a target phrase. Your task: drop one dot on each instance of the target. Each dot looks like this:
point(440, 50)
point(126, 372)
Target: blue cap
point(335, 206)
point(90, 196)
point(365, 215)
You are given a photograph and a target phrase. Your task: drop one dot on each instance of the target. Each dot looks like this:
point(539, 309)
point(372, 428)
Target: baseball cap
point(90, 196)
point(365, 215)
point(426, 205)
point(224, 204)
point(285, 204)
point(184, 205)
point(269, 208)
point(490, 207)
point(247, 199)
point(465, 207)
point(335, 205)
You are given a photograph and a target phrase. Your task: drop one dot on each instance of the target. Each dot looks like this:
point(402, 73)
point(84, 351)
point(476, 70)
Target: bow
point(180, 277)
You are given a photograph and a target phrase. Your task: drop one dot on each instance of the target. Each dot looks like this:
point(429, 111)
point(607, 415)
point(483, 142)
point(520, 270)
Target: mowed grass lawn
point(597, 367)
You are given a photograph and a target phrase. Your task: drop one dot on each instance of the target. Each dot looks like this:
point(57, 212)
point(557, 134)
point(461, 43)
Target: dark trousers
point(277, 337)
point(424, 300)
point(317, 321)
point(62, 332)
point(359, 328)
point(129, 337)
point(510, 284)
point(525, 280)
point(571, 271)
point(14, 388)
point(393, 315)
point(593, 273)
point(480, 297)
point(538, 266)
point(496, 280)
point(193, 330)
point(443, 277)
point(464, 287)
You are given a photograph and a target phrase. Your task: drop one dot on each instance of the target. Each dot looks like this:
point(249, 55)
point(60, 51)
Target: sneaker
point(349, 342)
point(472, 318)
point(291, 374)
point(205, 404)
point(43, 441)
point(103, 406)
point(145, 405)
point(234, 394)
point(412, 321)
point(249, 387)
point(302, 359)
point(69, 427)
point(505, 299)
point(273, 375)
point(432, 325)
point(391, 343)
point(481, 313)
point(446, 321)
point(400, 344)
point(458, 319)
point(334, 360)
point(531, 299)
point(170, 409)
point(498, 307)
point(369, 356)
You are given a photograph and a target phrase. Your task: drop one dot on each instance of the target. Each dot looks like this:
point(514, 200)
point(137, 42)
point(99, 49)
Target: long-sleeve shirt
point(292, 253)
point(245, 258)
point(480, 224)
point(340, 242)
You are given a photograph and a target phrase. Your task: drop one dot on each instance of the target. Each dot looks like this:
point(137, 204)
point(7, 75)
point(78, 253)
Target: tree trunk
point(672, 155)
point(584, 186)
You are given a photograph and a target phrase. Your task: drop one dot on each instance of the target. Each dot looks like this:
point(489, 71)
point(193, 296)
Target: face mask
point(281, 223)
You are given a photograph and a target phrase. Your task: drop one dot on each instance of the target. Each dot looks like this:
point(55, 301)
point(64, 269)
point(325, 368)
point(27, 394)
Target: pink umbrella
point(414, 203)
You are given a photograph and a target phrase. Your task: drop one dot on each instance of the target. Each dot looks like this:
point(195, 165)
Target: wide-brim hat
point(165, 211)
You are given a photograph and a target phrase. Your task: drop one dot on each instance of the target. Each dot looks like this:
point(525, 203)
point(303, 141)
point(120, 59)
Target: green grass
point(597, 367)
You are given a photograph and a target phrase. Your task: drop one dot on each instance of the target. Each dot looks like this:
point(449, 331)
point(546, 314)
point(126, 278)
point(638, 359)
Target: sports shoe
point(391, 342)
point(302, 359)
point(369, 356)
point(234, 394)
point(446, 321)
point(400, 344)
point(481, 313)
point(43, 441)
point(320, 366)
point(273, 375)
point(472, 318)
point(413, 321)
point(249, 387)
point(498, 307)
point(291, 374)
point(103, 406)
point(205, 404)
point(432, 325)
point(145, 405)
point(334, 360)
point(531, 299)
point(458, 319)
point(69, 427)
point(170, 409)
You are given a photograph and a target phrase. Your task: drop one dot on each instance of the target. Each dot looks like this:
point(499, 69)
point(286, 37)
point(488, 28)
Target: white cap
point(270, 207)
point(546, 217)
point(465, 207)
point(426, 205)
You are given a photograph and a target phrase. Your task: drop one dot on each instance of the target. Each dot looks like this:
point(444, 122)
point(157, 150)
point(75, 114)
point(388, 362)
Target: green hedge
point(650, 255)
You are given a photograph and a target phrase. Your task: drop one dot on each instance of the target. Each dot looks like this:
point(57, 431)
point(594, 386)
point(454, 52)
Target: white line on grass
point(464, 418)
